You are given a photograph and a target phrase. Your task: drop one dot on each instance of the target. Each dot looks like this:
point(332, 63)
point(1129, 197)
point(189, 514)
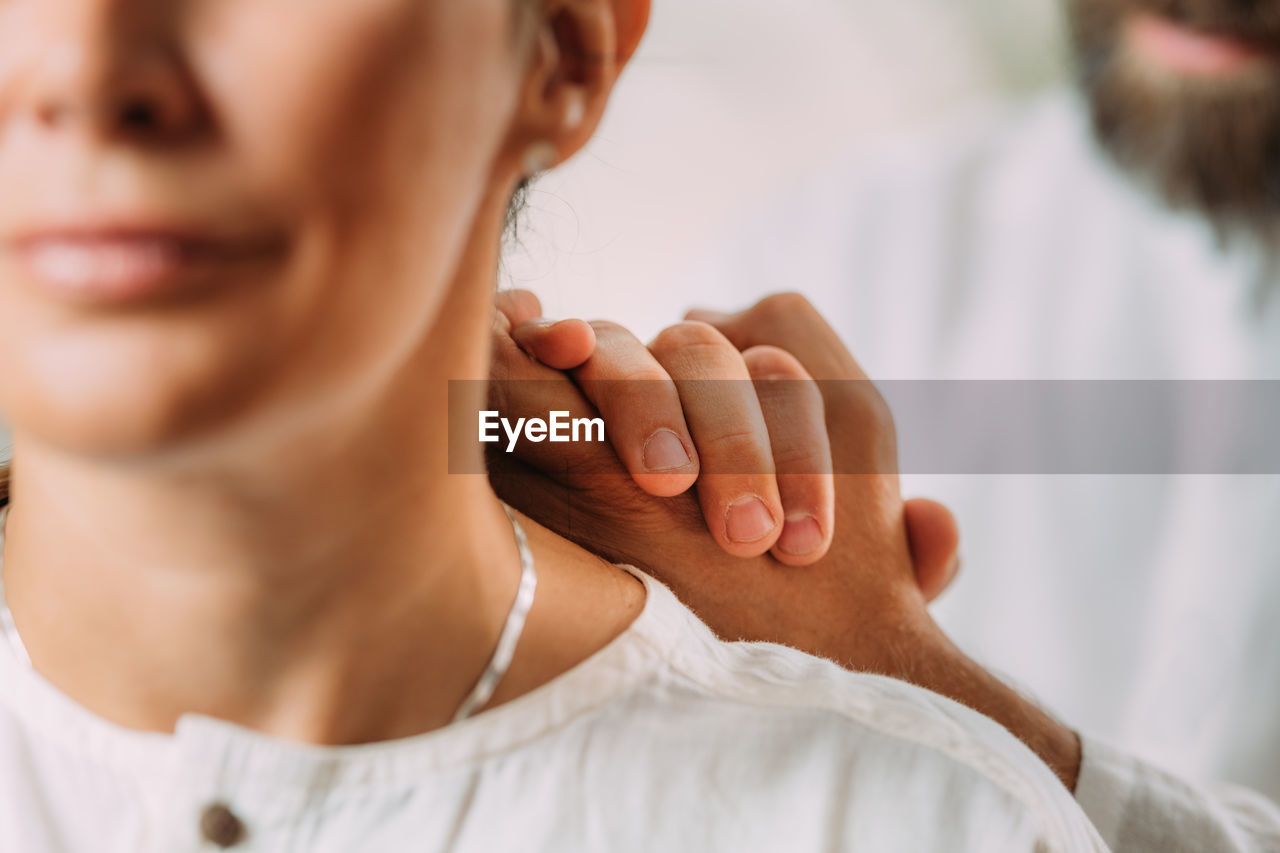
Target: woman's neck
point(343, 561)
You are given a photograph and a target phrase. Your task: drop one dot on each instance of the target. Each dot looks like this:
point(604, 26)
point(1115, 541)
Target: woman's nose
point(107, 69)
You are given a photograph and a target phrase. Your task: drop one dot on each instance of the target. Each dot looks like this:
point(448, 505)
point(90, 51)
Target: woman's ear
point(632, 18)
point(580, 48)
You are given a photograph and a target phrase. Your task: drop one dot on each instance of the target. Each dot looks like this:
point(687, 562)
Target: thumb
point(562, 345)
point(934, 538)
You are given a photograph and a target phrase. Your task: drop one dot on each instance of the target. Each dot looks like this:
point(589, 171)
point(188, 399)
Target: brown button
point(219, 825)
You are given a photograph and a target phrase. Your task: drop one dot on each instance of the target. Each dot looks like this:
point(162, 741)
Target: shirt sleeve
point(1139, 808)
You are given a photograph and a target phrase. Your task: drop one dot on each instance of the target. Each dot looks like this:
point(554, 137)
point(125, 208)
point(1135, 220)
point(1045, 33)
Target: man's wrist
point(936, 664)
point(965, 681)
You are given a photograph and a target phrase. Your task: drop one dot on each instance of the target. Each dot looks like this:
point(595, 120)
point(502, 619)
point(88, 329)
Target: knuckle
point(789, 401)
point(743, 452)
point(780, 305)
point(690, 334)
point(613, 364)
point(773, 362)
point(802, 459)
point(645, 377)
point(625, 383)
point(609, 329)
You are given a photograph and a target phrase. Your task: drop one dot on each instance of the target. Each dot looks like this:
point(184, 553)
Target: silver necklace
point(511, 631)
point(493, 673)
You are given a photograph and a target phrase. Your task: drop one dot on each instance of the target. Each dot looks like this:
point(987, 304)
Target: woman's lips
point(121, 266)
point(1189, 51)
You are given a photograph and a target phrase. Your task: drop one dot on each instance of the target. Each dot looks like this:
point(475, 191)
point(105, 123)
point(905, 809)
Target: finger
point(517, 306)
point(639, 402)
point(793, 413)
point(536, 422)
point(737, 488)
point(522, 387)
point(859, 422)
point(564, 345)
point(934, 538)
point(788, 321)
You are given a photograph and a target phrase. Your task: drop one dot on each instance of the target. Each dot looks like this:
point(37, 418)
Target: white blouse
point(667, 739)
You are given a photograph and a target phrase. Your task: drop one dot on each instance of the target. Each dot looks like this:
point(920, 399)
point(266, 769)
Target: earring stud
point(539, 157)
point(574, 112)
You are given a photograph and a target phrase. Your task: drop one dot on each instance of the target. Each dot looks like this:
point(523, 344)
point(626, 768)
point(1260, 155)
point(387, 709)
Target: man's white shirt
point(1145, 610)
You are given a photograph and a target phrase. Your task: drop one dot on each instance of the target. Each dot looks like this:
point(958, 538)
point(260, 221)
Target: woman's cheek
point(309, 102)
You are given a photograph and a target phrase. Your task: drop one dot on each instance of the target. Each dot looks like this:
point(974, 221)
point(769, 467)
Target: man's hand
point(682, 411)
point(892, 557)
point(863, 605)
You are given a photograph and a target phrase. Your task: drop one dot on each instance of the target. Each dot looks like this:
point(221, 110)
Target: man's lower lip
point(1188, 51)
point(121, 270)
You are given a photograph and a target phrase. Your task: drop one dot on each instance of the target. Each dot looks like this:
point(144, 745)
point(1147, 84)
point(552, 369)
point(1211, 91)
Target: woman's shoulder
point(777, 711)
point(698, 667)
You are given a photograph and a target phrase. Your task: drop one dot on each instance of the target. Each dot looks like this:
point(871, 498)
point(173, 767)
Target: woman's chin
point(115, 404)
point(103, 431)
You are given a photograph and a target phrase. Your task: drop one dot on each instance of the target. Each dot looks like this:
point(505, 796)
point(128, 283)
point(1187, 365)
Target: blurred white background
point(726, 100)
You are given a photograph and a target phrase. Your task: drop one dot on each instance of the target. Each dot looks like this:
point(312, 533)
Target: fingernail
point(748, 520)
point(800, 535)
point(664, 451)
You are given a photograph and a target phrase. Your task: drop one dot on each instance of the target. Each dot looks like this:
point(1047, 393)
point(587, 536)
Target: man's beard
point(1208, 144)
